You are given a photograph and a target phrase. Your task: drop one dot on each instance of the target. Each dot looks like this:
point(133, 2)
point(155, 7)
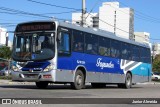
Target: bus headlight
point(14, 68)
point(48, 68)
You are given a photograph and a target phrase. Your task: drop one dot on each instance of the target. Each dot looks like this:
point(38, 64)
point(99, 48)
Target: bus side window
point(78, 41)
point(135, 53)
point(142, 54)
point(145, 55)
point(91, 44)
point(64, 43)
point(104, 46)
point(126, 51)
point(148, 59)
point(115, 48)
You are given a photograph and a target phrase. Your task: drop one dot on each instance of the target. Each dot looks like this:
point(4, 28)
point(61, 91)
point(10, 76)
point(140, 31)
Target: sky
point(12, 12)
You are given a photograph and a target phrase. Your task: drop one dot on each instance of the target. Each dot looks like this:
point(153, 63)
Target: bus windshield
point(34, 46)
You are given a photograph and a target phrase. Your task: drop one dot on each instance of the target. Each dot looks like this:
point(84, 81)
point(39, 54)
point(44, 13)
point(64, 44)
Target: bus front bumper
point(33, 77)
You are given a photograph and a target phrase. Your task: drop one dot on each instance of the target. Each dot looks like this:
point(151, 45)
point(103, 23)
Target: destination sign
point(40, 26)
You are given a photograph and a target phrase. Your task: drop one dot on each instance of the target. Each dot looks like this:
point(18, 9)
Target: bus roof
point(101, 33)
point(92, 31)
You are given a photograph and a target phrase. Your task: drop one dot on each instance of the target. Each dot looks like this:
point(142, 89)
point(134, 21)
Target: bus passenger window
point(91, 44)
point(78, 41)
point(78, 47)
point(135, 53)
point(115, 49)
point(102, 50)
point(104, 46)
point(94, 49)
point(63, 43)
point(126, 51)
point(113, 52)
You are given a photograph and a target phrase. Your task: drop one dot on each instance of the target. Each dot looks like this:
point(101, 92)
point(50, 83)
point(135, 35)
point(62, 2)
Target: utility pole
point(83, 12)
point(0, 34)
point(6, 38)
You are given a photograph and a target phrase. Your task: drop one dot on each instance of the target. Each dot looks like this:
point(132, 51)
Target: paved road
point(29, 90)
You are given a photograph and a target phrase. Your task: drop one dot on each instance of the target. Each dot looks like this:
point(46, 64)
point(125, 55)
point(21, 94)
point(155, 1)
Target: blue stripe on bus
point(142, 70)
point(92, 63)
point(96, 63)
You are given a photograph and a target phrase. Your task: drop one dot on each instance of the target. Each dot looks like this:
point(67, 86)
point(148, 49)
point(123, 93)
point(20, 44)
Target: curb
point(10, 82)
point(153, 83)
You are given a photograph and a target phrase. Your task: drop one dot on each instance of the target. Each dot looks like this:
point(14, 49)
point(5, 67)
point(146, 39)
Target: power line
point(141, 12)
point(10, 20)
point(138, 15)
point(110, 24)
point(52, 5)
point(93, 8)
point(23, 12)
point(9, 10)
point(121, 29)
point(33, 14)
point(144, 16)
point(6, 23)
point(60, 12)
point(19, 12)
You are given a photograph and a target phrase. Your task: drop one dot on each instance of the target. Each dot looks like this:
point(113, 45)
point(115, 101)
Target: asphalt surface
point(9, 89)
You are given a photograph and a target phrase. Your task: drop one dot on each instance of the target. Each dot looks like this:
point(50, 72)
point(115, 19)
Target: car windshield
point(157, 73)
point(33, 46)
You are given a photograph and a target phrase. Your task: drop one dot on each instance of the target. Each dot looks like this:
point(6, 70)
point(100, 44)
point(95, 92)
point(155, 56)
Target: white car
point(155, 76)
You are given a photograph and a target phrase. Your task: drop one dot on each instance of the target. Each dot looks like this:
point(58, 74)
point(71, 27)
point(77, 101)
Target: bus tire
point(42, 84)
point(98, 85)
point(128, 81)
point(78, 80)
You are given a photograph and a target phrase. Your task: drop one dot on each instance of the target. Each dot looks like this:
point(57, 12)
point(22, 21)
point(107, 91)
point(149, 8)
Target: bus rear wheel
point(42, 84)
point(79, 82)
point(128, 82)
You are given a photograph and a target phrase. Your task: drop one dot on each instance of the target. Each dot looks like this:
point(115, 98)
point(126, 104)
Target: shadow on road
point(61, 87)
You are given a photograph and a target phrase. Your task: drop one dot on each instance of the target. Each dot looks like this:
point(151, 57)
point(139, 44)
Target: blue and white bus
point(60, 52)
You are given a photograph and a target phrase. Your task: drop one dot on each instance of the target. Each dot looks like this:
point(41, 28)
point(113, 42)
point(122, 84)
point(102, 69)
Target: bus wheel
point(42, 84)
point(98, 85)
point(128, 81)
point(78, 80)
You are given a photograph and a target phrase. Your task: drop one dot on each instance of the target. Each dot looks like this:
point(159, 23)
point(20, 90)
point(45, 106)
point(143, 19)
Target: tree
point(5, 52)
point(156, 63)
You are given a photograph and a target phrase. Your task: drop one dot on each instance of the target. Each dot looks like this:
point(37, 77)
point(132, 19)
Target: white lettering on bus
point(81, 62)
point(103, 64)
